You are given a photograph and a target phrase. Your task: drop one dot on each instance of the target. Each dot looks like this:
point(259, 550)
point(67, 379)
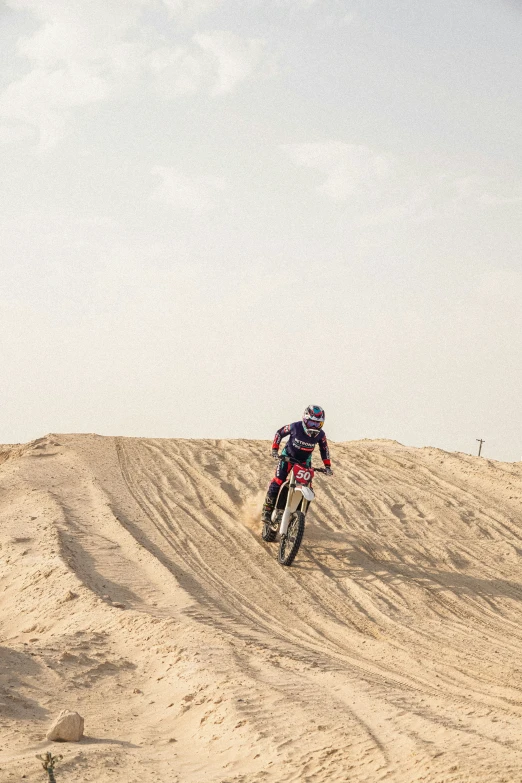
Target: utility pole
point(479, 440)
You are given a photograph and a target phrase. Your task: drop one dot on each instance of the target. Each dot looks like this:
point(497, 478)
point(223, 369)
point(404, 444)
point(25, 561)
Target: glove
point(275, 454)
point(328, 471)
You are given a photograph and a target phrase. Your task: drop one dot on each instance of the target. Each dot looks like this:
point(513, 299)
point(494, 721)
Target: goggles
point(312, 424)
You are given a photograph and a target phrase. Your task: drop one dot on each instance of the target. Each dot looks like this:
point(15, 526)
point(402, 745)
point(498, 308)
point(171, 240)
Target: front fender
point(308, 492)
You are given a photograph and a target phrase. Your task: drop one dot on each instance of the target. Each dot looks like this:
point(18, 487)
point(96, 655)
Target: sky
point(216, 212)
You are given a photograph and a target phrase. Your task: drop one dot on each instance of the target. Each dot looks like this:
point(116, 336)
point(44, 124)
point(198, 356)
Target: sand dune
point(135, 588)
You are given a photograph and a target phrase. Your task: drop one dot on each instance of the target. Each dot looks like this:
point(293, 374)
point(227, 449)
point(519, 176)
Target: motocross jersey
point(300, 446)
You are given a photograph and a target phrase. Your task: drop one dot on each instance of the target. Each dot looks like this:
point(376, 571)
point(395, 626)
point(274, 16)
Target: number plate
point(303, 475)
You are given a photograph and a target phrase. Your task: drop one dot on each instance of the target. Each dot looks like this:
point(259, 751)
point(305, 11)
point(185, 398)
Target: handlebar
point(301, 464)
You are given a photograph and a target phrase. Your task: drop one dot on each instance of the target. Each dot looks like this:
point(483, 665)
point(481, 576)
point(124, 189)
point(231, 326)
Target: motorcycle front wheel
point(290, 543)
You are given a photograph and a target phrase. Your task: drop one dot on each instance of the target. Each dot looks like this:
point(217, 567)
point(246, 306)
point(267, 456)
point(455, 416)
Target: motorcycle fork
point(291, 505)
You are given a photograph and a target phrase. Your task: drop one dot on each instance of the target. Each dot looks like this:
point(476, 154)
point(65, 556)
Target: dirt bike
point(289, 514)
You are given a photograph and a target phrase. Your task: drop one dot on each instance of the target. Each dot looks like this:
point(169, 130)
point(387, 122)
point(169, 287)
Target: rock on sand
point(67, 727)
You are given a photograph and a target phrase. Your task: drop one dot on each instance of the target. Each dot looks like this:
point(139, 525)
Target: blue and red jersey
point(300, 445)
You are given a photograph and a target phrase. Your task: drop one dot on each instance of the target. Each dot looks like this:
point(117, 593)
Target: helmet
point(313, 420)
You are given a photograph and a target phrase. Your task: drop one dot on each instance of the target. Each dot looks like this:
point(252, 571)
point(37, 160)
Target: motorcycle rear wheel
point(290, 543)
point(268, 533)
point(271, 529)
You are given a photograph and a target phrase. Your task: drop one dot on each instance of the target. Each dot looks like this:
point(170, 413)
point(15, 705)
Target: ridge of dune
point(135, 589)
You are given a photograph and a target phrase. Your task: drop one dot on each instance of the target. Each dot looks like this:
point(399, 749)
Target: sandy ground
point(135, 588)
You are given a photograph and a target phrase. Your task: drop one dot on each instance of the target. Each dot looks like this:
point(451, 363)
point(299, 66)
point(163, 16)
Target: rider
point(304, 436)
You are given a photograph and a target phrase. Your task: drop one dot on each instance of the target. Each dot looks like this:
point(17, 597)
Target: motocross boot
point(268, 507)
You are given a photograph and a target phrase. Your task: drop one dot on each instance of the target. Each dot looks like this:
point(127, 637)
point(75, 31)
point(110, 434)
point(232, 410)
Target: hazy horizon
point(268, 440)
point(215, 213)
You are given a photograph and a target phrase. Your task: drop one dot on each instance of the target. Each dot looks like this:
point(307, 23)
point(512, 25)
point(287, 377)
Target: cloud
point(457, 192)
point(91, 52)
point(196, 193)
point(10, 134)
point(176, 71)
point(78, 56)
point(347, 168)
point(297, 3)
point(325, 13)
point(190, 9)
point(216, 62)
point(45, 98)
point(494, 200)
point(383, 189)
point(236, 59)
